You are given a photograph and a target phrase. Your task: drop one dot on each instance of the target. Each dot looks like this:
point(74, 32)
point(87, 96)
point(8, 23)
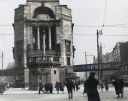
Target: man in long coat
point(91, 85)
point(119, 85)
point(69, 85)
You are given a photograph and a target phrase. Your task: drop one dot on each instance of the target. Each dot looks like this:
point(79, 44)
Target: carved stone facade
point(43, 41)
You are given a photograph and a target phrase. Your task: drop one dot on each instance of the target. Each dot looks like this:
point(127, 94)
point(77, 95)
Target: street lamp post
point(86, 63)
point(99, 32)
point(2, 66)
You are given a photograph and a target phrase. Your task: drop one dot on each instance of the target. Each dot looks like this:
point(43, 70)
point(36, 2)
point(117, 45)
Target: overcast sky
point(85, 13)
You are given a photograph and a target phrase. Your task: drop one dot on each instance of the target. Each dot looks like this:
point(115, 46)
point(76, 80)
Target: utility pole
point(2, 66)
point(99, 32)
point(86, 63)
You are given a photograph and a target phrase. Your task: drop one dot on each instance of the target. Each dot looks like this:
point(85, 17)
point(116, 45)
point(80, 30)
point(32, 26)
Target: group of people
point(59, 86)
point(90, 87)
point(45, 88)
point(70, 84)
point(3, 87)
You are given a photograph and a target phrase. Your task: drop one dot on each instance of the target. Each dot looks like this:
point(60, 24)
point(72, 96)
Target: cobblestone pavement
point(17, 94)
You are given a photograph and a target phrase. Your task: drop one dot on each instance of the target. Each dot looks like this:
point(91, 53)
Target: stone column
point(49, 38)
point(44, 41)
point(38, 38)
point(31, 37)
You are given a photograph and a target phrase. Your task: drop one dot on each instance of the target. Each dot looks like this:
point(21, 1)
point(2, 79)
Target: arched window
point(43, 10)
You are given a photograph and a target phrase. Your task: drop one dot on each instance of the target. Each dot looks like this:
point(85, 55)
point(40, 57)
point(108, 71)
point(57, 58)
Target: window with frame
point(68, 60)
point(54, 71)
point(67, 45)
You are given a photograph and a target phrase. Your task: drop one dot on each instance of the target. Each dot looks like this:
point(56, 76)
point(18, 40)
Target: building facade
point(119, 55)
point(43, 41)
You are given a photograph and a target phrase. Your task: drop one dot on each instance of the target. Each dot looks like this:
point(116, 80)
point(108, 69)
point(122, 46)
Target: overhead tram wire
point(6, 26)
point(104, 13)
point(86, 34)
point(107, 26)
point(6, 34)
point(91, 26)
point(116, 35)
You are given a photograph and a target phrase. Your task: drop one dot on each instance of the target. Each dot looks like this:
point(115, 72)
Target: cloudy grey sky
point(87, 16)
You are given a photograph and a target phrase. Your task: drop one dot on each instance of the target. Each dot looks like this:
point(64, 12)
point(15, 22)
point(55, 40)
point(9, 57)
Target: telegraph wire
point(6, 26)
point(86, 34)
point(95, 35)
point(6, 34)
point(114, 25)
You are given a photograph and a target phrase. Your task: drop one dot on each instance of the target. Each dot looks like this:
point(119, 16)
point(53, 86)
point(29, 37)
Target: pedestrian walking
point(40, 87)
point(106, 84)
point(77, 85)
point(102, 85)
point(69, 85)
point(62, 87)
point(50, 88)
point(74, 88)
point(2, 88)
point(23, 85)
point(91, 84)
point(119, 86)
point(46, 88)
point(85, 88)
point(57, 86)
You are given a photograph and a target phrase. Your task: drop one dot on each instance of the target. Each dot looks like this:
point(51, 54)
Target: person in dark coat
point(85, 88)
point(57, 86)
point(69, 85)
point(40, 87)
point(77, 85)
point(119, 85)
point(106, 84)
point(62, 87)
point(102, 85)
point(91, 84)
point(1, 88)
point(50, 87)
point(74, 88)
point(46, 88)
point(23, 85)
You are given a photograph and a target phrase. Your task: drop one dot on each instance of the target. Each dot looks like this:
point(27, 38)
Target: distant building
point(119, 54)
point(43, 41)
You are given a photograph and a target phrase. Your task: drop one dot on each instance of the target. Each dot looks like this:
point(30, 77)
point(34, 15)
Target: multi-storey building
point(119, 54)
point(43, 41)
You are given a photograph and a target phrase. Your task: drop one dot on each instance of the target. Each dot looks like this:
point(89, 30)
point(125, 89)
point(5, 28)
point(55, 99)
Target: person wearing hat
point(91, 86)
point(69, 85)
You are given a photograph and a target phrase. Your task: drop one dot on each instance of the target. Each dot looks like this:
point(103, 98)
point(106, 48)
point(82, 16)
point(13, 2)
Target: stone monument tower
point(43, 41)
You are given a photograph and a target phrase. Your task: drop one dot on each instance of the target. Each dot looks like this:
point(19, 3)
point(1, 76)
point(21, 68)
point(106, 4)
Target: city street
point(17, 94)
